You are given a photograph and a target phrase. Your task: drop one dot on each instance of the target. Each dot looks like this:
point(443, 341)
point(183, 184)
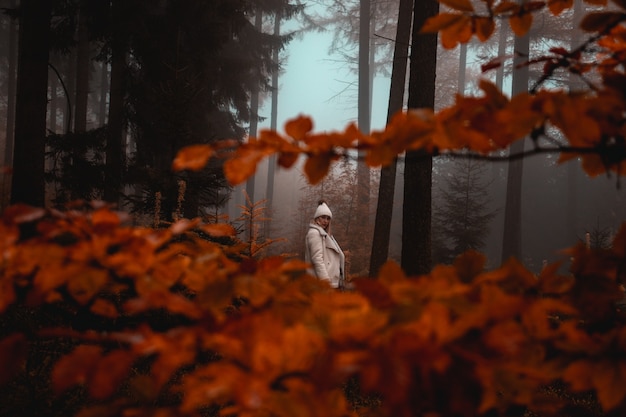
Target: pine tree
point(462, 210)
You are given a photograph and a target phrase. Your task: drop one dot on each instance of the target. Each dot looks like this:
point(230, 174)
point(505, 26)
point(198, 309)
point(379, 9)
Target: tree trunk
point(10, 126)
point(363, 173)
point(462, 68)
point(512, 236)
point(384, 208)
point(575, 83)
point(31, 102)
point(82, 75)
point(115, 149)
point(254, 111)
point(271, 163)
point(416, 208)
point(104, 88)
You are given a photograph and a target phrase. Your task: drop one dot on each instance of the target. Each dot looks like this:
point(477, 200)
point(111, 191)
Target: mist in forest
point(560, 204)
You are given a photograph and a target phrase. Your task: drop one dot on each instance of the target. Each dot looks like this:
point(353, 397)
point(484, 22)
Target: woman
point(322, 250)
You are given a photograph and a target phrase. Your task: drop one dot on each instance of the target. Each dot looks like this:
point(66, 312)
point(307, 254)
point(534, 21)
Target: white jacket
point(325, 256)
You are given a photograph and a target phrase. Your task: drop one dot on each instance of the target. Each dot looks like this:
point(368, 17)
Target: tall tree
point(10, 114)
point(254, 111)
point(364, 116)
point(115, 149)
point(269, 193)
point(384, 207)
point(575, 84)
point(31, 102)
point(83, 63)
point(512, 235)
point(416, 257)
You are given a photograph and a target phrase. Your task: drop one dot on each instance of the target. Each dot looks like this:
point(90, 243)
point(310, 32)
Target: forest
point(149, 268)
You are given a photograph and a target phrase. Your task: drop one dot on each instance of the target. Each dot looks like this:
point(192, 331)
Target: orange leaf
point(458, 32)
point(108, 374)
point(461, 5)
point(219, 230)
point(551, 282)
point(521, 23)
point(606, 377)
point(243, 165)
point(391, 272)
point(87, 283)
point(75, 368)
point(507, 338)
point(593, 165)
point(484, 28)
point(557, 6)
point(193, 158)
point(574, 117)
point(440, 22)
point(105, 218)
point(610, 384)
point(382, 155)
point(287, 159)
point(104, 308)
point(316, 167)
point(469, 264)
point(299, 127)
point(22, 213)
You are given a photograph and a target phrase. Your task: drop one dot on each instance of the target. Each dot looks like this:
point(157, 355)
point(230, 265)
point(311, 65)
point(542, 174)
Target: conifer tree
point(463, 210)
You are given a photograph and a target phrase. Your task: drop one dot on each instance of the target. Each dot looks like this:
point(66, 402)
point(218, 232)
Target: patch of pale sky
point(316, 83)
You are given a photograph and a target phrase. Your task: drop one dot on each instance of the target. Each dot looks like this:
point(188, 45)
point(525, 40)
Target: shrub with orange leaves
point(164, 322)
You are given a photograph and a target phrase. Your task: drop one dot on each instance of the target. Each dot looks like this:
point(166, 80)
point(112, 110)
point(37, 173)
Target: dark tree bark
point(254, 111)
point(575, 83)
point(384, 208)
point(104, 88)
point(115, 149)
point(271, 163)
point(10, 127)
point(363, 172)
point(416, 209)
point(31, 102)
point(512, 235)
point(82, 74)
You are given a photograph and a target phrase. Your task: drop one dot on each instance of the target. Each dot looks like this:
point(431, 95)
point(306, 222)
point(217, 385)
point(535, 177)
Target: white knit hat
point(322, 210)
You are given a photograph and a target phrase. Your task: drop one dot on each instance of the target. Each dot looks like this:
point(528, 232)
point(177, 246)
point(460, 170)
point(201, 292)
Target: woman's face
point(323, 221)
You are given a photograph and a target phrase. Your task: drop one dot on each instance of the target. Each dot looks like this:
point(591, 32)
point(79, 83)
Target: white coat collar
point(319, 228)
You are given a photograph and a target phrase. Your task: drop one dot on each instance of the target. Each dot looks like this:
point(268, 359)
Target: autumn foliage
point(166, 320)
point(180, 322)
